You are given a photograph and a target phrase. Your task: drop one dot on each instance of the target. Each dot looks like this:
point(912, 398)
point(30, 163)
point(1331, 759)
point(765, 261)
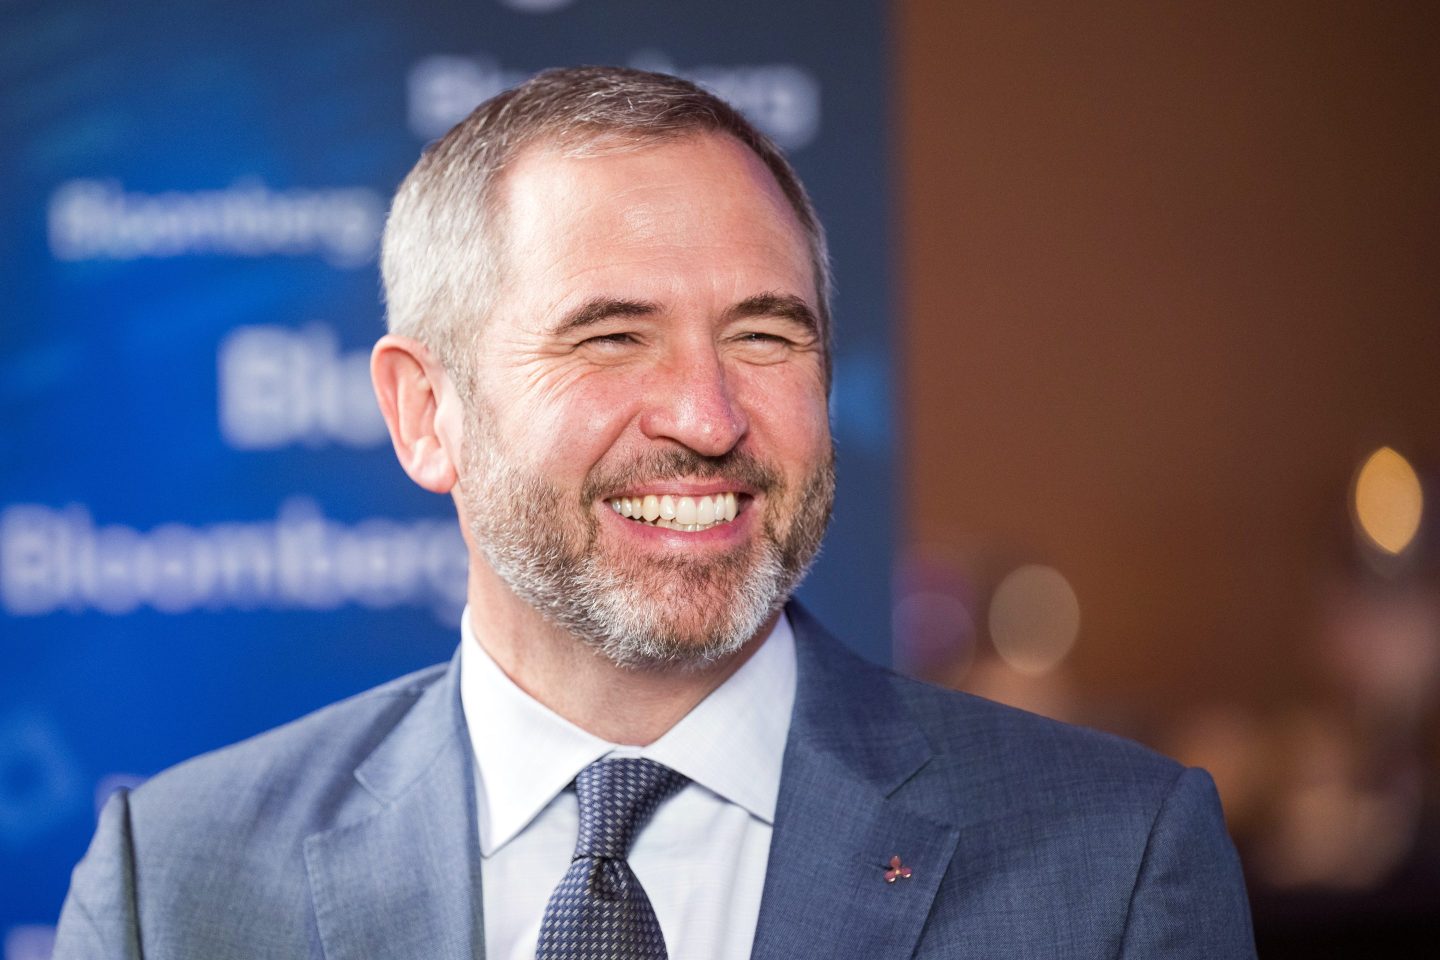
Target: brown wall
point(1169, 271)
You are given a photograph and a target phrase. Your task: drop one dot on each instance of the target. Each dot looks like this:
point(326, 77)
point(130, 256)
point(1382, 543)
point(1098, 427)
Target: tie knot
point(616, 798)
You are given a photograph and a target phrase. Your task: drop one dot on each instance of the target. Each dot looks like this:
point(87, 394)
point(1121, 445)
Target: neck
point(634, 706)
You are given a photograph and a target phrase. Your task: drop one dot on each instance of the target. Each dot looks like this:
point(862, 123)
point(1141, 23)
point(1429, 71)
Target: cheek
point(791, 419)
point(574, 424)
point(806, 437)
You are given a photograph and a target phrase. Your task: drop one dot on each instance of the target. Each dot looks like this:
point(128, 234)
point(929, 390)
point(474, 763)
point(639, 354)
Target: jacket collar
point(841, 816)
point(418, 844)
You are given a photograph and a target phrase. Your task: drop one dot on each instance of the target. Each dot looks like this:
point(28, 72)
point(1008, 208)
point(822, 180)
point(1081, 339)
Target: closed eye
point(610, 339)
point(763, 346)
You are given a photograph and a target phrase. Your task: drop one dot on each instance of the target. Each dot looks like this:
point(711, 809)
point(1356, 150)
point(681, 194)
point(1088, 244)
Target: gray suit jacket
point(350, 835)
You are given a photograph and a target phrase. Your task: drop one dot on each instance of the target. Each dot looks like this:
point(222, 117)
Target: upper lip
point(682, 488)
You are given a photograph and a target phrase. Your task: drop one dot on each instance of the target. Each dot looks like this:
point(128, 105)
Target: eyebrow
point(598, 309)
point(784, 305)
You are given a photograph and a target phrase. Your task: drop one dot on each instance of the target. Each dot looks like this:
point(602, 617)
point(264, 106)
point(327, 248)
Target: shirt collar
point(731, 744)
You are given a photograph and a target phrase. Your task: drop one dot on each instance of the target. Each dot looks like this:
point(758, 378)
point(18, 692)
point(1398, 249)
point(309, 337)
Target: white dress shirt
point(701, 858)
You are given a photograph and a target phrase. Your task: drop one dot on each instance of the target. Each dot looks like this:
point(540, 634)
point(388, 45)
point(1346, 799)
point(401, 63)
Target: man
point(610, 344)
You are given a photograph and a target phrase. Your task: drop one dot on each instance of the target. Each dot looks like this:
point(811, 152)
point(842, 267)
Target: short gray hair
point(441, 253)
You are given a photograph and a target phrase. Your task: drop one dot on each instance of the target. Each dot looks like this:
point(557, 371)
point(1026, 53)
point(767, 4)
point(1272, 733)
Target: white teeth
point(685, 510)
point(690, 514)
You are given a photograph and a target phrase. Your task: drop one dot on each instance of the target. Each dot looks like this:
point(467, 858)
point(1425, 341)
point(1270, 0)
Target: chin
point(638, 640)
point(688, 623)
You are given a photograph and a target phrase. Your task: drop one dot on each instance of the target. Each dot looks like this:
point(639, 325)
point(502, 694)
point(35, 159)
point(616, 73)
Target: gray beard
point(678, 612)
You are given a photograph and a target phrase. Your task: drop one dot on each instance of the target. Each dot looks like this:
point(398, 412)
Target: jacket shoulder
point(981, 753)
point(1028, 746)
point(222, 836)
point(1136, 839)
point(304, 767)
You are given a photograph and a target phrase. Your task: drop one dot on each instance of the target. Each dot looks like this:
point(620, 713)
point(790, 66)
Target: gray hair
point(443, 240)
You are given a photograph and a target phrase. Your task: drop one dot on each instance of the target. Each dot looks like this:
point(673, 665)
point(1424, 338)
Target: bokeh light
point(1387, 501)
point(1034, 618)
point(934, 635)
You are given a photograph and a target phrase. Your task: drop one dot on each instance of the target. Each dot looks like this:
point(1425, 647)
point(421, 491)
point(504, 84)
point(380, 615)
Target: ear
point(412, 388)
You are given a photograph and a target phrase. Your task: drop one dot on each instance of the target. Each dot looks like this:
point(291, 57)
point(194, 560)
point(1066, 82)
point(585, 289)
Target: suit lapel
point(404, 882)
point(838, 821)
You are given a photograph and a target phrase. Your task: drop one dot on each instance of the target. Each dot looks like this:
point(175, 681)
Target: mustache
point(681, 464)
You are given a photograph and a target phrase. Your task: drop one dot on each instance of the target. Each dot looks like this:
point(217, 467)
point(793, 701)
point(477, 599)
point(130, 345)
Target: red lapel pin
point(897, 870)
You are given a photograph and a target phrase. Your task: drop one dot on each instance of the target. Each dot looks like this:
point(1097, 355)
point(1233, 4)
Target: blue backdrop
point(203, 532)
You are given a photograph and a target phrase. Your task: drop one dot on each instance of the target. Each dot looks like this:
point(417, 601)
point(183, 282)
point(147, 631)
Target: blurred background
point(1169, 318)
point(1136, 397)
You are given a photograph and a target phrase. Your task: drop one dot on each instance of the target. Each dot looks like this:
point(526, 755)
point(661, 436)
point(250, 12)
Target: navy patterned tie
point(599, 911)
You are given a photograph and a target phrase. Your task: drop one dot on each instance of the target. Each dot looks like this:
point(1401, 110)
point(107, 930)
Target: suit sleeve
point(98, 921)
point(1189, 899)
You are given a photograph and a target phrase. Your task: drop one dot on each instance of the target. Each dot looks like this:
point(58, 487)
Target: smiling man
point(638, 442)
point(610, 345)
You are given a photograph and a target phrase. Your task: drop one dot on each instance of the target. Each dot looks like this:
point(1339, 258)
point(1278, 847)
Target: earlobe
point(410, 385)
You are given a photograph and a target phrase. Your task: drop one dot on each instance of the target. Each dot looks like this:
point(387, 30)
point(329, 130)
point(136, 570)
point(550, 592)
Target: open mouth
point(690, 514)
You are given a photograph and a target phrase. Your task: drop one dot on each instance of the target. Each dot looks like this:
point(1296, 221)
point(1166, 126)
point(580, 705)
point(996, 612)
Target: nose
point(692, 401)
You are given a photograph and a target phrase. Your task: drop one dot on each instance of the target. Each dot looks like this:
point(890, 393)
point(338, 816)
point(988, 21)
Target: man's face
point(647, 455)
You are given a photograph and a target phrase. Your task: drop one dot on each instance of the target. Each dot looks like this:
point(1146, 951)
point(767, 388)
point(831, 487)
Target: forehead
point(699, 208)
